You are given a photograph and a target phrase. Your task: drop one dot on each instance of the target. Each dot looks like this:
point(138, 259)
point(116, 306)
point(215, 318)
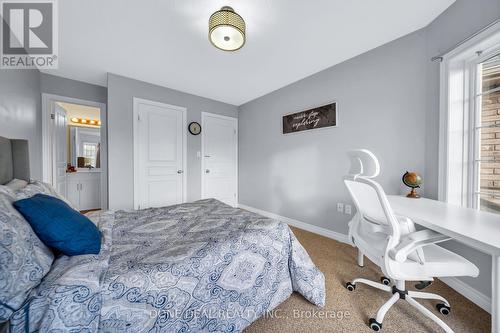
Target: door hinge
point(52, 116)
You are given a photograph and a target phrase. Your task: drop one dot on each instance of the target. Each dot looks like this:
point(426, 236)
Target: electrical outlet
point(348, 209)
point(340, 207)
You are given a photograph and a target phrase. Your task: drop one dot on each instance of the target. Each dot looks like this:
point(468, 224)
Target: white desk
point(480, 230)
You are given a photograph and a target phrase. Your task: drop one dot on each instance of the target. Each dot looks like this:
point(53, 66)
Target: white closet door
point(159, 154)
point(219, 145)
point(60, 150)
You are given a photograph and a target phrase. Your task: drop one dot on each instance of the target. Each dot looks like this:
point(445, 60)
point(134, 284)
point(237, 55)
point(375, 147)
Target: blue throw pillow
point(59, 226)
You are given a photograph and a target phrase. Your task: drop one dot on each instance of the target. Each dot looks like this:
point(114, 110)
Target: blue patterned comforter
point(201, 266)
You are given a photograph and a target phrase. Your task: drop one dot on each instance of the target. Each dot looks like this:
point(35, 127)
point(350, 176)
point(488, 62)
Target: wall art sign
point(318, 117)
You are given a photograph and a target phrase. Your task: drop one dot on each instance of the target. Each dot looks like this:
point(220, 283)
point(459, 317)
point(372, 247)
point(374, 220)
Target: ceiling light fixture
point(226, 29)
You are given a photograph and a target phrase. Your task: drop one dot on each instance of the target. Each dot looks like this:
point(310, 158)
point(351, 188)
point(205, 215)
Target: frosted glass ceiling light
point(226, 29)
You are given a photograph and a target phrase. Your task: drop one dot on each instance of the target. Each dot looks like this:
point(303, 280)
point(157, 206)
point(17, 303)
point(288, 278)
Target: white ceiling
point(165, 41)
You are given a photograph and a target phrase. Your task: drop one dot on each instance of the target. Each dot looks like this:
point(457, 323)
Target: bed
point(194, 267)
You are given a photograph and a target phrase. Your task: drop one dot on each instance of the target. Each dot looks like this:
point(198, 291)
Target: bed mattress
point(194, 267)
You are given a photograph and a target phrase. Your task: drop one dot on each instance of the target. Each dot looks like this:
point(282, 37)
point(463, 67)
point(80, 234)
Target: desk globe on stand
point(413, 180)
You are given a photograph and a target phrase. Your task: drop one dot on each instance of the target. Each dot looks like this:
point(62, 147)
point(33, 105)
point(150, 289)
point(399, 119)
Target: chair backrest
point(363, 163)
point(368, 196)
point(366, 193)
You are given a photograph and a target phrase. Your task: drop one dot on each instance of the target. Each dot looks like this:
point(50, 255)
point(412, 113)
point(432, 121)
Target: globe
point(412, 180)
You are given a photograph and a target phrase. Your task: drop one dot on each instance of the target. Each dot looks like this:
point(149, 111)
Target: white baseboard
point(473, 295)
point(459, 286)
point(299, 224)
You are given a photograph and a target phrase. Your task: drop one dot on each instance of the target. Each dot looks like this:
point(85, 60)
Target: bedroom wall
point(121, 91)
point(51, 84)
point(21, 106)
point(20, 112)
point(388, 102)
point(381, 106)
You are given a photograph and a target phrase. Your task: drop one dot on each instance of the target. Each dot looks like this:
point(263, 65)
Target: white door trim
point(47, 137)
point(184, 145)
point(203, 115)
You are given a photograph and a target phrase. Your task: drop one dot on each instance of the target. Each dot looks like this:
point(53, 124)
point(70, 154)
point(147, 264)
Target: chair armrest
point(416, 240)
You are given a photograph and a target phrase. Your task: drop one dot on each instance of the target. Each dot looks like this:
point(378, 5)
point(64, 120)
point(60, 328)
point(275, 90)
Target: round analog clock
point(194, 128)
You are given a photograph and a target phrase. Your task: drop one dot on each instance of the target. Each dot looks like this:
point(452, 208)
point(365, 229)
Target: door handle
point(179, 171)
point(207, 171)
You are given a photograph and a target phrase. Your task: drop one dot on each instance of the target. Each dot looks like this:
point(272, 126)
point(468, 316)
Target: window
point(486, 168)
point(469, 122)
point(90, 153)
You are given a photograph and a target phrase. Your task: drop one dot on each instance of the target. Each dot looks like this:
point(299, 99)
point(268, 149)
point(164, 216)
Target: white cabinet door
point(219, 145)
point(73, 192)
point(84, 190)
point(90, 193)
point(158, 154)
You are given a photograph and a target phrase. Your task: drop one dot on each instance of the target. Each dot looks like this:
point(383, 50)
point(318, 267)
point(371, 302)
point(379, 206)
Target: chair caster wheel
point(443, 309)
point(374, 324)
point(423, 284)
point(385, 280)
point(350, 286)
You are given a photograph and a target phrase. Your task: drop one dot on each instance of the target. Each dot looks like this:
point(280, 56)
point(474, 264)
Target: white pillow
point(25, 259)
point(16, 184)
point(7, 190)
point(36, 187)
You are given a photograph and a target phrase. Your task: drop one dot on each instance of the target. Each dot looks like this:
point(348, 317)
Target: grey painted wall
point(20, 112)
point(121, 91)
point(459, 21)
point(388, 102)
point(381, 105)
point(51, 84)
point(21, 106)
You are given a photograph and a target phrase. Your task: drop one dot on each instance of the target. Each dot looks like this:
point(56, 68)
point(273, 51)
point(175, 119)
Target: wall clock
point(194, 128)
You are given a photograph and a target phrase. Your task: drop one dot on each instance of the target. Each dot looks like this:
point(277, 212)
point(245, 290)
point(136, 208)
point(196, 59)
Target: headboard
point(14, 160)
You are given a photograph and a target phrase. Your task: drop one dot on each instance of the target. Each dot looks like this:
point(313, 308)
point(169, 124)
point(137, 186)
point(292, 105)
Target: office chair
point(393, 244)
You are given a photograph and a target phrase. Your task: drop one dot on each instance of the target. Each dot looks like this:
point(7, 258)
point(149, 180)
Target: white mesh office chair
point(392, 243)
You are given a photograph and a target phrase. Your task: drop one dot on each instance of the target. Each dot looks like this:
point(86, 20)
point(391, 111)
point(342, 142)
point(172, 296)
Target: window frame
point(94, 158)
point(459, 112)
point(476, 103)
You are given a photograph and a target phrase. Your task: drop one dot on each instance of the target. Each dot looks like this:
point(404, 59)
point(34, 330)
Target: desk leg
point(495, 295)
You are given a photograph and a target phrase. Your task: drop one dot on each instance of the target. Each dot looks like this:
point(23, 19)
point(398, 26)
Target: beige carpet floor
point(350, 311)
